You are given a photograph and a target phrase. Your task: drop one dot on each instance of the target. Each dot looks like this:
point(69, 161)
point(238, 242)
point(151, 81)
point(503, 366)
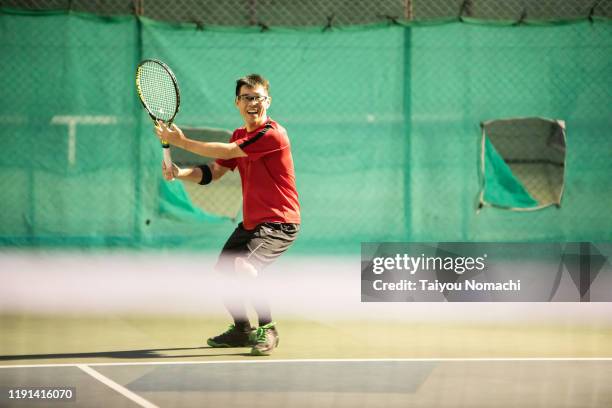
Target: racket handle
point(167, 157)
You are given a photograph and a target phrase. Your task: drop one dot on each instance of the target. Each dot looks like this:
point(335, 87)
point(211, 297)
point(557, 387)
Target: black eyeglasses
point(252, 98)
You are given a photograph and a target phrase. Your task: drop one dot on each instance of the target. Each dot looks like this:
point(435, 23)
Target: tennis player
point(271, 212)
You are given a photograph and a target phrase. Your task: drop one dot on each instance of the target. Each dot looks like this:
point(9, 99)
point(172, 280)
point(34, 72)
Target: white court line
point(326, 360)
point(119, 388)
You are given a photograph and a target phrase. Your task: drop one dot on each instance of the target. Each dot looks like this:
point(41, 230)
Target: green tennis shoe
point(232, 337)
point(264, 339)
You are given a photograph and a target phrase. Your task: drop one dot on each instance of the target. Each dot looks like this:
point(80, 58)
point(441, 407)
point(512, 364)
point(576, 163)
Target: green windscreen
point(523, 163)
point(501, 186)
point(384, 123)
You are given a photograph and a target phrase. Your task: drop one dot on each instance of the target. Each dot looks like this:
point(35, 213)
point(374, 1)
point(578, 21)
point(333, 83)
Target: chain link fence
point(480, 73)
point(266, 13)
point(67, 161)
point(384, 121)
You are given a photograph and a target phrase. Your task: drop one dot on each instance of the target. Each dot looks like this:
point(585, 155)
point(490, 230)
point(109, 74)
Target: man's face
point(253, 104)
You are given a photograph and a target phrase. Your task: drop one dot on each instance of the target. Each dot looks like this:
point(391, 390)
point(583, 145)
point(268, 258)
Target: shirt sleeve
point(229, 163)
point(267, 141)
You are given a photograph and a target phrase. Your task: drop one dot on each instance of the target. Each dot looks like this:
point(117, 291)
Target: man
point(261, 151)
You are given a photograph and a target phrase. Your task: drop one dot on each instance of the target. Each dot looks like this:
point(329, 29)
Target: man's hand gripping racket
point(158, 91)
point(169, 135)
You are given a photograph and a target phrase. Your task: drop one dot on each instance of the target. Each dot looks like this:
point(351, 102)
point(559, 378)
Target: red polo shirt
point(267, 175)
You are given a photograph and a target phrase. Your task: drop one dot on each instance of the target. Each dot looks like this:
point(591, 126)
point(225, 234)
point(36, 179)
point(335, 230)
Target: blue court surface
point(532, 382)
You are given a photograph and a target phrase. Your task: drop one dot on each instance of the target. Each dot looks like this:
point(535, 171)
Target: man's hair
point(252, 81)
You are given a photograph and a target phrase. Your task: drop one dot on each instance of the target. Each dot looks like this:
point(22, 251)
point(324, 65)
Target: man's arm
point(194, 174)
point(215, 150)
point(217, 170)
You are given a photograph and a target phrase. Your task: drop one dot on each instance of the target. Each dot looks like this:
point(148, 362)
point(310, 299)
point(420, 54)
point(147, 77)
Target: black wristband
point(206, 174)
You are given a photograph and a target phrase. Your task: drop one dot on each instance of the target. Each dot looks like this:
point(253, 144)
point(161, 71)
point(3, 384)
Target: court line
point(322, 360)
point(117, 387)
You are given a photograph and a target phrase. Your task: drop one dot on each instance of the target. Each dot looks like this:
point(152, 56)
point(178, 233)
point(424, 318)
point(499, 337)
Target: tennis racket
point(158, 91)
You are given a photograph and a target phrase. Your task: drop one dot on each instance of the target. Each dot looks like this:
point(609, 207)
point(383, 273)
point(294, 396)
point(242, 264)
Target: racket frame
point(165, 145)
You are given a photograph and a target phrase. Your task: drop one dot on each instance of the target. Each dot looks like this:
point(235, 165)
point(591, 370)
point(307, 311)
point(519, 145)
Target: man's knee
point(244, 268)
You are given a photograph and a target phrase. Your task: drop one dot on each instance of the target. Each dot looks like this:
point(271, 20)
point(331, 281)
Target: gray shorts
point(260, 246)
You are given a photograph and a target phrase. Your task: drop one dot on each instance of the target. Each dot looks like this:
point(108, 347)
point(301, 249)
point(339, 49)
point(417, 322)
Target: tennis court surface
point(122, 330)
point(338, 383)
point(149, 361)
point(130, 330)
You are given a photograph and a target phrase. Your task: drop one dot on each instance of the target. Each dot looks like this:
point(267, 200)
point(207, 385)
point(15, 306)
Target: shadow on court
point(124, 354)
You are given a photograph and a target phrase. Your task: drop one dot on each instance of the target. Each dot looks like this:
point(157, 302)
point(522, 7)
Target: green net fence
point(384, 121)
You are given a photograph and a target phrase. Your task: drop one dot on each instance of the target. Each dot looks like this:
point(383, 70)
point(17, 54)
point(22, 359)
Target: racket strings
point(157, 91)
